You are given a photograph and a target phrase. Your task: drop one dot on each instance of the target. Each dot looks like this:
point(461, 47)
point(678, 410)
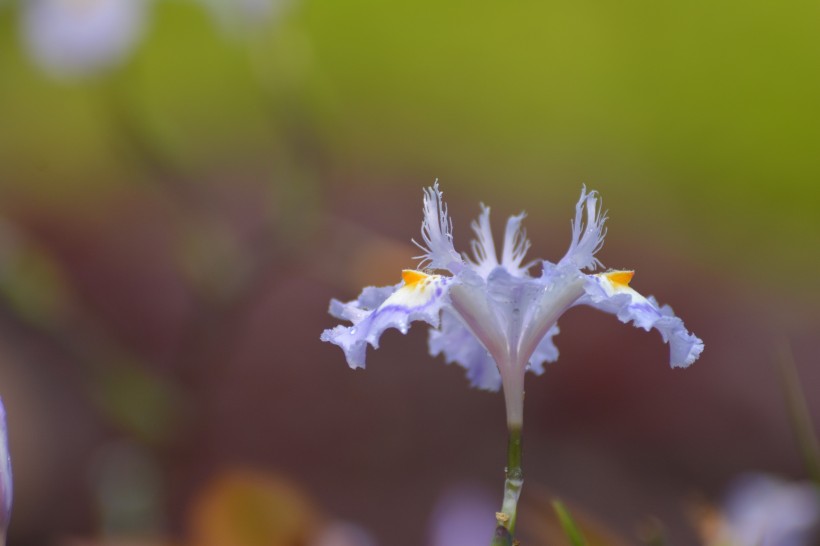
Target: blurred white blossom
point(463, 516)
point(760, 510)
point(75, 38)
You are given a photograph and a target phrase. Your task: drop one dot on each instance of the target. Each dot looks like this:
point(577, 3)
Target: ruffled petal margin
point(609, 292)
point(418, 297)
point(458, 344)
point(546, 351)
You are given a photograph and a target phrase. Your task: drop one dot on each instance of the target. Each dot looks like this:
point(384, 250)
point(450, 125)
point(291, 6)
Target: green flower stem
point(502, 537)
point(512, 490)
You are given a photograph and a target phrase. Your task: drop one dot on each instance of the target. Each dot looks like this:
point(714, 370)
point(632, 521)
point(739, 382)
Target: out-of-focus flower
point(463, 516)
point(75, 38)
point(760, 510)
point(492, 316)
point(6, 488)
point(239, 15)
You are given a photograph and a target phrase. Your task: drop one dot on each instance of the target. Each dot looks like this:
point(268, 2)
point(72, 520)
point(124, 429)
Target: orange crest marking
point(620, 278)
point(411, 276)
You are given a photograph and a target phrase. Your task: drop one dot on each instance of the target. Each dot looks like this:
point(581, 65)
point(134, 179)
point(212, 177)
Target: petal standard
point(485, 258)
point(418, 297)
point(437, 234)
point(516, 246)
point(588, 232)
point(481, 302)
point(610, 292)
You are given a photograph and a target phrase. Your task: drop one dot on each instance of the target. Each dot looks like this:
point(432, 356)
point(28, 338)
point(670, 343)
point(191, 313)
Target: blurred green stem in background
point(799, 412)
point(512, 490)
point(568, 524)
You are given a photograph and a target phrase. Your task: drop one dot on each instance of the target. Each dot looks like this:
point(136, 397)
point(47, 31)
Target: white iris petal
point(483, 245)
point(630, 306)
point(419, 297)
point(471, 303)
point(516, 246)
point(458, 344)
point(588, 232)
point(560, 289)
point(437, 234)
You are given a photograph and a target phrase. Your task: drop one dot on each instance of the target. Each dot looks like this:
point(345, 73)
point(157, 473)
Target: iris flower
point(493, 316)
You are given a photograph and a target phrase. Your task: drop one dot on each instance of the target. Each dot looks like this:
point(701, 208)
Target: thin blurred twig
point(798, 411)
point(651, 532)
point(568, 524)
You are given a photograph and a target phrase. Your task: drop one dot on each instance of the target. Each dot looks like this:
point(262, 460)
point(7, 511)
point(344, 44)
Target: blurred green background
point(176, 216)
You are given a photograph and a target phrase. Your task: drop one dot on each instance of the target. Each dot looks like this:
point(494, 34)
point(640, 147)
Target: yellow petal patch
point(412, 277)
point(619, 278)
point(418, 290)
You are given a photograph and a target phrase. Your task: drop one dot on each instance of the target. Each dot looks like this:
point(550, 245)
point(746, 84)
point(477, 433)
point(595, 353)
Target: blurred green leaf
point(568, 524)
point(141, 402)
point(30, 281)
